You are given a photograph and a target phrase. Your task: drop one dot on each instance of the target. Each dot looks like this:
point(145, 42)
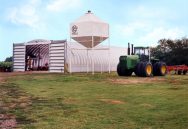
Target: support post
point(92, 57)
point(70, 70)
point(149, 54)
point(101, 67)
point(109, 65)
point(87, 61)
point(70, 63)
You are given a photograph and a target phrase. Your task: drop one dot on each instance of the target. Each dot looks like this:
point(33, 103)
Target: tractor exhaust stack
point(132, 51)
point(128, 51)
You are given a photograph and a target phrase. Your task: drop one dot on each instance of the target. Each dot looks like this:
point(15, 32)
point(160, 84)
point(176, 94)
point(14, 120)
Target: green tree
point(9, 59)
point(173, 52)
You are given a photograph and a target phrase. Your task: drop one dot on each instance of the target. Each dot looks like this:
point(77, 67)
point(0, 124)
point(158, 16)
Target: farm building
point(54, 56)
point(83, 53)
point(39, 55)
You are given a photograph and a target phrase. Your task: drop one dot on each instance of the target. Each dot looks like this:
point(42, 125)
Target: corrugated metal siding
point(19, 57)
point(57, 56)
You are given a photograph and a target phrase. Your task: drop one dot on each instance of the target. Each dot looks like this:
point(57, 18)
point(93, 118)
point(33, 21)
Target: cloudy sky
point(142, 22)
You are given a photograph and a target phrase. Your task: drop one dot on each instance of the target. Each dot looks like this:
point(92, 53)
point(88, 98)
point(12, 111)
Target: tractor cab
point(143, 53)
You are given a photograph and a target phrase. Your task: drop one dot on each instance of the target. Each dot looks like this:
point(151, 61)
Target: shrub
point(6, 66)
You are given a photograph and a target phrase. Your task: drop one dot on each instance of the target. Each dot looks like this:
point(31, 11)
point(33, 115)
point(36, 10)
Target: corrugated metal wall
point(19, 57)
point(57, 56)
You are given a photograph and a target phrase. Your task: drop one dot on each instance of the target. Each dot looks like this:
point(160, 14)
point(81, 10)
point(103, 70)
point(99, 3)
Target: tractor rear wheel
point(144, 69)
point(147, 69)
point(159, 69)
point(156, 69)
point(138, 70)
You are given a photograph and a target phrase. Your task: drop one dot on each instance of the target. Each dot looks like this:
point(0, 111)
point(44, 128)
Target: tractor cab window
point(141, 50)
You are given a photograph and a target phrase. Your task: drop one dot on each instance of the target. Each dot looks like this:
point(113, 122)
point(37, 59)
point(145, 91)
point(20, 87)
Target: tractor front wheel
point(122, 71)
point(119, 70)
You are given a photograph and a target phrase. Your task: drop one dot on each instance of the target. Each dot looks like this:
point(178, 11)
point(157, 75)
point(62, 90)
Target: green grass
point(82, 101)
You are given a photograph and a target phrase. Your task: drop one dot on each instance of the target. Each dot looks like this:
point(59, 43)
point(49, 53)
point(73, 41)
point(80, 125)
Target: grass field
point(81, 101)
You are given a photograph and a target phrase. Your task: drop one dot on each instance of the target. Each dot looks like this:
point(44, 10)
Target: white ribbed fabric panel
point(79, 58)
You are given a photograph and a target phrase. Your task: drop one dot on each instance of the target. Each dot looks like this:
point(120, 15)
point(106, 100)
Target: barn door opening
point(37, 57)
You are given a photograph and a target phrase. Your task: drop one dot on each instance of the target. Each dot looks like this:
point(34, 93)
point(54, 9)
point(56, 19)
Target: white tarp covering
point(89, 28)
point(80, 61)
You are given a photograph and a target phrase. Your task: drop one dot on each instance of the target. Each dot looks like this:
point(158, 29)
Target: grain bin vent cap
point(87, 26)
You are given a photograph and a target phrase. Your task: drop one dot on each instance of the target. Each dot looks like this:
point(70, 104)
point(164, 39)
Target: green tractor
point(140, 63)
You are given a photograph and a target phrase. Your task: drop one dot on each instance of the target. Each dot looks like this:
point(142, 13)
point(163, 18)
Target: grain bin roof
point(89, 17)
point(89, 27)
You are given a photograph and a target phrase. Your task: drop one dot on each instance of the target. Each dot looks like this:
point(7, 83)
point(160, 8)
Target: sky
point(141, 22)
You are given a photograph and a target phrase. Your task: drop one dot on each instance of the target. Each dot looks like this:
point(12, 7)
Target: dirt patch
point(136, 80)
point(13, 106)
point(175, 82)
point(5, 75)
point(112, 101)
point(7, 121)
point(176, 87)
point(70, 101)
point(147, 105)
point(2, 80)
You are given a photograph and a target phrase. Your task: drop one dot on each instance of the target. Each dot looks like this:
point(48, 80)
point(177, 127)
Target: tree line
point(173, 52)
